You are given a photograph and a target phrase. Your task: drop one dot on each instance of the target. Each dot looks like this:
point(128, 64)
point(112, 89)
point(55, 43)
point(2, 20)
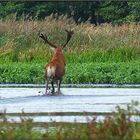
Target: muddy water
point(99, 100)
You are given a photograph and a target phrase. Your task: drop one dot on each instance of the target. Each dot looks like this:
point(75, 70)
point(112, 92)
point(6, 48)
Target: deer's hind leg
point(59, 86)
point(46, 84)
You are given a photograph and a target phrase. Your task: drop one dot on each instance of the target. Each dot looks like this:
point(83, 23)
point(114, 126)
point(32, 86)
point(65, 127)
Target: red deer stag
point(55, 69)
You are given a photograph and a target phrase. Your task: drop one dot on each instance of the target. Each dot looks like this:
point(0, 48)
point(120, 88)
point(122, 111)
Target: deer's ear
point(52, 48)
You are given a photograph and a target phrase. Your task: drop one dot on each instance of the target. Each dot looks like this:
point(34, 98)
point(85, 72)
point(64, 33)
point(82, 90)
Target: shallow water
point(99, 100)
point(72, 85)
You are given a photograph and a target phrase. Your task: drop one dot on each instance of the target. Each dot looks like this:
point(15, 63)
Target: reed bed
point(20, 42)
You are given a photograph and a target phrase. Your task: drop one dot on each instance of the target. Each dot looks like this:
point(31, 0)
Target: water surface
point(97, 100)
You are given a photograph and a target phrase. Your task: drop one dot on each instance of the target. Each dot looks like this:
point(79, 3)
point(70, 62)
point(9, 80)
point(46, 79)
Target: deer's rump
point(55, 71)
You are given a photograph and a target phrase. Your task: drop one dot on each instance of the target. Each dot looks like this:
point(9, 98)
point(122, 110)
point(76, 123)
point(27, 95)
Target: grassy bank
point(118, 125)
point(95, 54)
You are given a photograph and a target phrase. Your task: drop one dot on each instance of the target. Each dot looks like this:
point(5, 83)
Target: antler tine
point(69, 35)
point(45, 38)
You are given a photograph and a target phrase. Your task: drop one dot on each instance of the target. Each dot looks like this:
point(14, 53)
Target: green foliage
point(134, 12)
point(103, 73)
point(119, 73)
point(21, 73)
point(116, 12)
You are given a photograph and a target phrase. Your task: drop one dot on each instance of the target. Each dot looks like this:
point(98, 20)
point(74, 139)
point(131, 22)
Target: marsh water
point(79, 104)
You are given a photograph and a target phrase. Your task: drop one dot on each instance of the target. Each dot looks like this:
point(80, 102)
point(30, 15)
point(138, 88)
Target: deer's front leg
point(53, 89)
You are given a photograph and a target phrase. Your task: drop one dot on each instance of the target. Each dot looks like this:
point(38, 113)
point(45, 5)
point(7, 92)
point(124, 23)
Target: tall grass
point(19, 40)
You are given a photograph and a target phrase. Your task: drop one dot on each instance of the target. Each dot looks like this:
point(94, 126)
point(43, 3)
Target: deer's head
point(54, 46)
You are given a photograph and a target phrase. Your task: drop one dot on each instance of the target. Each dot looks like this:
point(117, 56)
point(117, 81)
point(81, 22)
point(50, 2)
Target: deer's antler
point(45, 38)
point(69, 35)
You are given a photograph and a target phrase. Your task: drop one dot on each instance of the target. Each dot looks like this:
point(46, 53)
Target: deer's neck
point(59, 56)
